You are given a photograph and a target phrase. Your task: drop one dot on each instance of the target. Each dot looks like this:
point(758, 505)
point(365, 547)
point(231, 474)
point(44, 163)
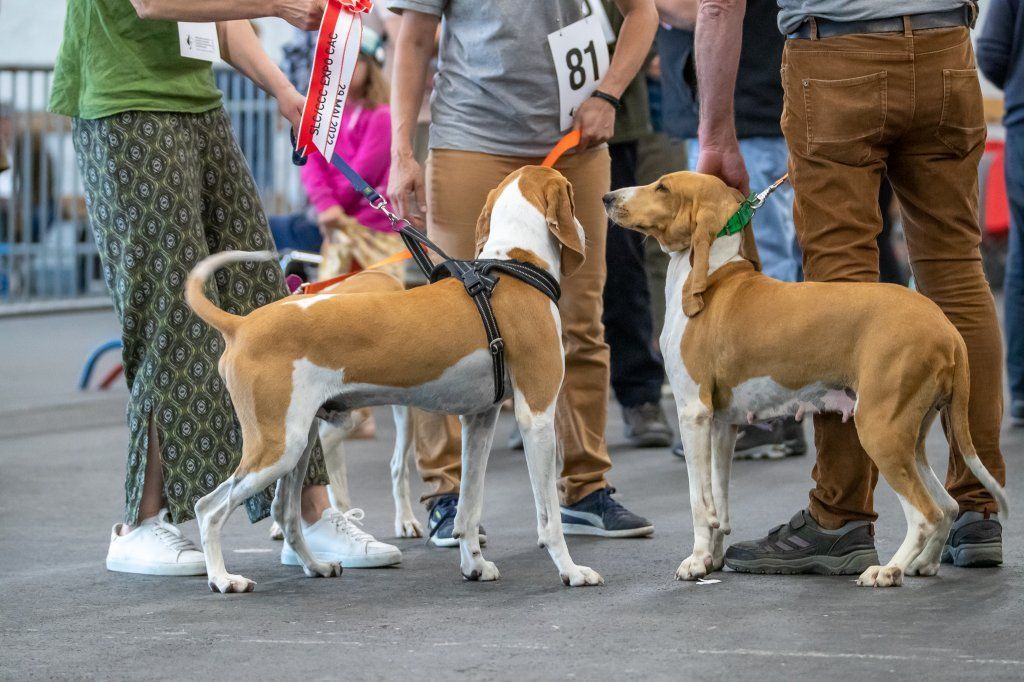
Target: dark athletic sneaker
point(975, 541)
point(599, 514)
point(802, 546)
point(646, 426)
point(441, 522)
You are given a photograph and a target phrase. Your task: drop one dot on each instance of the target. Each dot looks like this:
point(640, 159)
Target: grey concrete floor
point(62, 615)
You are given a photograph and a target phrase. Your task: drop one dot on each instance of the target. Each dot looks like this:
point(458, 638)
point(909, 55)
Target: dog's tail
point(959, 427)
point(222, 321)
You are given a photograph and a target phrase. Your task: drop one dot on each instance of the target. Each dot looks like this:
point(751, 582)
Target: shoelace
point(178, 543)
point(345, 523)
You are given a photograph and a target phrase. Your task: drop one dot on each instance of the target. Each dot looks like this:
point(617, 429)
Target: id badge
point(581, 59)
point(198, 40)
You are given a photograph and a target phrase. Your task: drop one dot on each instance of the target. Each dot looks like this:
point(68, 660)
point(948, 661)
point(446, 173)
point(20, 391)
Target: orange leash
point(570, 140)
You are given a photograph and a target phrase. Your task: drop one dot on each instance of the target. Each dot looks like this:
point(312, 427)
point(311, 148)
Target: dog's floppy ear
point(483, 223)
point(700, 258)
point(561, 218)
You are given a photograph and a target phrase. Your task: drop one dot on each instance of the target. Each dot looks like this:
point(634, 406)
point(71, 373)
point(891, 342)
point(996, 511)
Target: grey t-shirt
point(495, 90)
point(793, 12)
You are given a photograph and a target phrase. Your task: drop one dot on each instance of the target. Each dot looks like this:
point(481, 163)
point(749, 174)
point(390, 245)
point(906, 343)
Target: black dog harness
point(479, 277)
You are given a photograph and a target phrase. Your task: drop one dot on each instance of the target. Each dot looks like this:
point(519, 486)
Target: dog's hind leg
point(927, 562)
point(695, 431)
point(723, 443)
point(406, 525)
point(477, 436)
point(539, 442)
point(290, 492)
point(890, 438)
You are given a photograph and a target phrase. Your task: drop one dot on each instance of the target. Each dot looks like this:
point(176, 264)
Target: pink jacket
point(365, 142)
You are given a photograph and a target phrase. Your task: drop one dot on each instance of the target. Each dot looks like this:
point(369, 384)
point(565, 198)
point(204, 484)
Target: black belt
point(815, 27)
point(479, 279)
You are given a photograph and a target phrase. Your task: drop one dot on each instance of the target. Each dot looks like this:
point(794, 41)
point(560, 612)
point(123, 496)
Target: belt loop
point(813, 23)
point(908, 27)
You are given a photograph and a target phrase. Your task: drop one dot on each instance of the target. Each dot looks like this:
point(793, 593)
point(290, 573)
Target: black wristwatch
point(614, 101)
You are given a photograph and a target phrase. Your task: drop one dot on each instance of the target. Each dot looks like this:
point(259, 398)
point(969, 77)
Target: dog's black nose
point(609, 198)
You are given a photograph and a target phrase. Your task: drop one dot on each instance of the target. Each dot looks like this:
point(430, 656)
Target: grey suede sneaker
point(802, 546)
point(975, 541)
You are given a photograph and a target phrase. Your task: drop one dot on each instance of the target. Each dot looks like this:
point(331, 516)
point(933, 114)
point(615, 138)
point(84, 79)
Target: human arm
point(240, 48)
point(304, 14)
point(414, 48)
point(595, 118)
point(716, 48)
point(994, 48)
point(678, 13)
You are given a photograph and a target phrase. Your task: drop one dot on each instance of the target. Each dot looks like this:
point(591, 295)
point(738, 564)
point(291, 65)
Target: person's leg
point(583, 403)
point(457, 186)
point(582, 410)
point(766, 159)
point(233, 219)
point(1013, 290)
point(934, 173)
point(636, 370)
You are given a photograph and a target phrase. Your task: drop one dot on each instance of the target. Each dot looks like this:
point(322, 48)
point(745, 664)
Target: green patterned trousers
point(165, 190)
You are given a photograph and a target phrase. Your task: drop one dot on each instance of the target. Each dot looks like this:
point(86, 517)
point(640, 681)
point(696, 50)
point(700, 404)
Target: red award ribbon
point(337, 49)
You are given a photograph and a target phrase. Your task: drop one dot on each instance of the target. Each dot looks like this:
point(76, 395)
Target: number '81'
point(574, 60)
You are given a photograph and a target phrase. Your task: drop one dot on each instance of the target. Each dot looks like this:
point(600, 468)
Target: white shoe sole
point(290, 558)
point(142, 568)
point(452, 542)
point(584, 529)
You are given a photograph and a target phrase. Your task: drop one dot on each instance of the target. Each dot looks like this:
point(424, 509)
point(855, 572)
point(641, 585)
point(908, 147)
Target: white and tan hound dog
point(742, 348)
point(426, 348)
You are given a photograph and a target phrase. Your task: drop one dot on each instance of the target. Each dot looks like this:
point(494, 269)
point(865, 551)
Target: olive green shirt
point(111, 61)
point(633, 120)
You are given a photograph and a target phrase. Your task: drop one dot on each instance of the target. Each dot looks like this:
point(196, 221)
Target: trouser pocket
point(845, 117)
point(962, 121)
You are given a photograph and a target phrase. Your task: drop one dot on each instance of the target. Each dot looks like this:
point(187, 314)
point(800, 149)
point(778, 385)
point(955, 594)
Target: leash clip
point(497, 345)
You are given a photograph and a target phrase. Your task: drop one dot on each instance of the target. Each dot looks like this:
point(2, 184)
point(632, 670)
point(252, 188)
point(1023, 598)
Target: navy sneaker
point(975, 541)
point(599, 514)
point(441, 522)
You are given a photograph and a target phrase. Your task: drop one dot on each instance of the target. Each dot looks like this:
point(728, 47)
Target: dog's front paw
point(581, 576)
point(881, 576)
point(322, 569)
point(408, 527)
point(231, 583)
point(695, 567)
point(484, 571)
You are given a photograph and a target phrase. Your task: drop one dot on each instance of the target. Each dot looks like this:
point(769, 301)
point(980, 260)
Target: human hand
point(725, 161)
point(332, 218)
point(406, 189)
point(304, 14)
point(595, 119)
point(290, 104)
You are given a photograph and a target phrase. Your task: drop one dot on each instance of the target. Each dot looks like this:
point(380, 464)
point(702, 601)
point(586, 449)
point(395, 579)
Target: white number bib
point(580, 54)
point(198, 40)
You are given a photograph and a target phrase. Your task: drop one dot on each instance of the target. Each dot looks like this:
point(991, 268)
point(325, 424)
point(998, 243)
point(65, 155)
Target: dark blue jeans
point(1014, 283)
point(295, 232)
point(636, 369)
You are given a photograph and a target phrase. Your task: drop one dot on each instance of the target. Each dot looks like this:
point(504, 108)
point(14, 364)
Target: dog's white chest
point(762, 398)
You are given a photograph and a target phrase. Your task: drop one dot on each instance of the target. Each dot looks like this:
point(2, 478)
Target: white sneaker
point(155, 547)
point(335, 537)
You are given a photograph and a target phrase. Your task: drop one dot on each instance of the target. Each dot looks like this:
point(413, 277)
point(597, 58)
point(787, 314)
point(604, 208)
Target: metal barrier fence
point(48, 257)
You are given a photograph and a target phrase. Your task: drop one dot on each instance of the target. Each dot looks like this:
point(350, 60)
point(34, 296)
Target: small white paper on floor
point(708, 582)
